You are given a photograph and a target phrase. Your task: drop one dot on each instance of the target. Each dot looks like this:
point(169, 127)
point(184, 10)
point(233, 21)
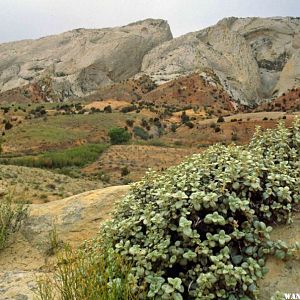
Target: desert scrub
point(55, 243)
point(87, 273)
point(201, 230)
point(12, 216)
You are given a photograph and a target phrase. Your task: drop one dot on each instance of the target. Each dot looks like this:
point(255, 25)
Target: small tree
point(108, 109)
point(173, 128)
point(220, 119)
point(141, 133)
point(184, 117)
point(189, 124)
point(129, 122)
point(124, 171)
point(119, 135)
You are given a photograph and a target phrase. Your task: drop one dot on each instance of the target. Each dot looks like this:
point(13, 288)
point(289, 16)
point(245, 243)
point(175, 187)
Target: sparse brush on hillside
point(11, 217)
point(201, 230)
point(87, 274)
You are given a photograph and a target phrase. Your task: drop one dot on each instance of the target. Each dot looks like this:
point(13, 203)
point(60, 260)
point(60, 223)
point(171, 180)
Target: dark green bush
point(107, 109)
point(8, 126)
point(221, 119)
point(119, 136)
point(129, 122)
point(184, 117)
point(173, 127)
point(124, 171)
point(190, 124)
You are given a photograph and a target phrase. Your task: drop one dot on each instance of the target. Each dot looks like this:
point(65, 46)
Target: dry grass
point(137, 159)
point(40, 186)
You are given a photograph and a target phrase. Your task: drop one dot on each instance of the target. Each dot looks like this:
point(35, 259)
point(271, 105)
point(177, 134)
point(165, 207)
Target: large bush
point(201, 230)
point(197, 231)
point(140, 132)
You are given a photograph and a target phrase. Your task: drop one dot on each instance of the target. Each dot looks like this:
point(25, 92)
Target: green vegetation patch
point(61, 129)
point(77, 156)
point(119, 136)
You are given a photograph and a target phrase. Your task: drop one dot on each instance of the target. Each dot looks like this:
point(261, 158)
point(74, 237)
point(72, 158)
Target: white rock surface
point(254, 58)
point(81, 60)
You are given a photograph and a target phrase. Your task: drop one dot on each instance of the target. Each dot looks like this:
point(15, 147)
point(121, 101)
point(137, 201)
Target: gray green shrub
point(201, 230)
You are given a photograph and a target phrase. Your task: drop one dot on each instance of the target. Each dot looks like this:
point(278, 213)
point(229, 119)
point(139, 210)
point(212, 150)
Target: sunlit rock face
point(79, 61)
point(254, 58)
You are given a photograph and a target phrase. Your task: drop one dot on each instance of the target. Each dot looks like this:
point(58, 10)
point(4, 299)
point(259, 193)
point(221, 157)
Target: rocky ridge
point(253, 58)
point(82, 60)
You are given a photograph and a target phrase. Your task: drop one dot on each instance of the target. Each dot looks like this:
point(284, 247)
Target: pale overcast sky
point(23, 19)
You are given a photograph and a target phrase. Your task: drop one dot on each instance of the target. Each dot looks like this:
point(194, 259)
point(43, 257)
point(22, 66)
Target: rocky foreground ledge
point(75, 219)
point(78, 218)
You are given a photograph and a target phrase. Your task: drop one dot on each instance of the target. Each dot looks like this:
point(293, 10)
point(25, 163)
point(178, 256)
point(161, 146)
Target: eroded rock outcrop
point(254, 58)
point(82, 60)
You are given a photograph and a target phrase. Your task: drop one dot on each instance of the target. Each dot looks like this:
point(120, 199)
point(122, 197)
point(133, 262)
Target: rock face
point(75, 218)
point(79, 61)
point(254, 58)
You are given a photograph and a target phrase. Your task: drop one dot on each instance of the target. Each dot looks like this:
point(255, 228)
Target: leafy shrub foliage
point(119, 136)
point(11, 217)
point(201, 230)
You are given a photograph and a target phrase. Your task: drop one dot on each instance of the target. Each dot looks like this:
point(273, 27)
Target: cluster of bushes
point(77, 156)
point(128, 109)
point(201, 230)
point(38, 112)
